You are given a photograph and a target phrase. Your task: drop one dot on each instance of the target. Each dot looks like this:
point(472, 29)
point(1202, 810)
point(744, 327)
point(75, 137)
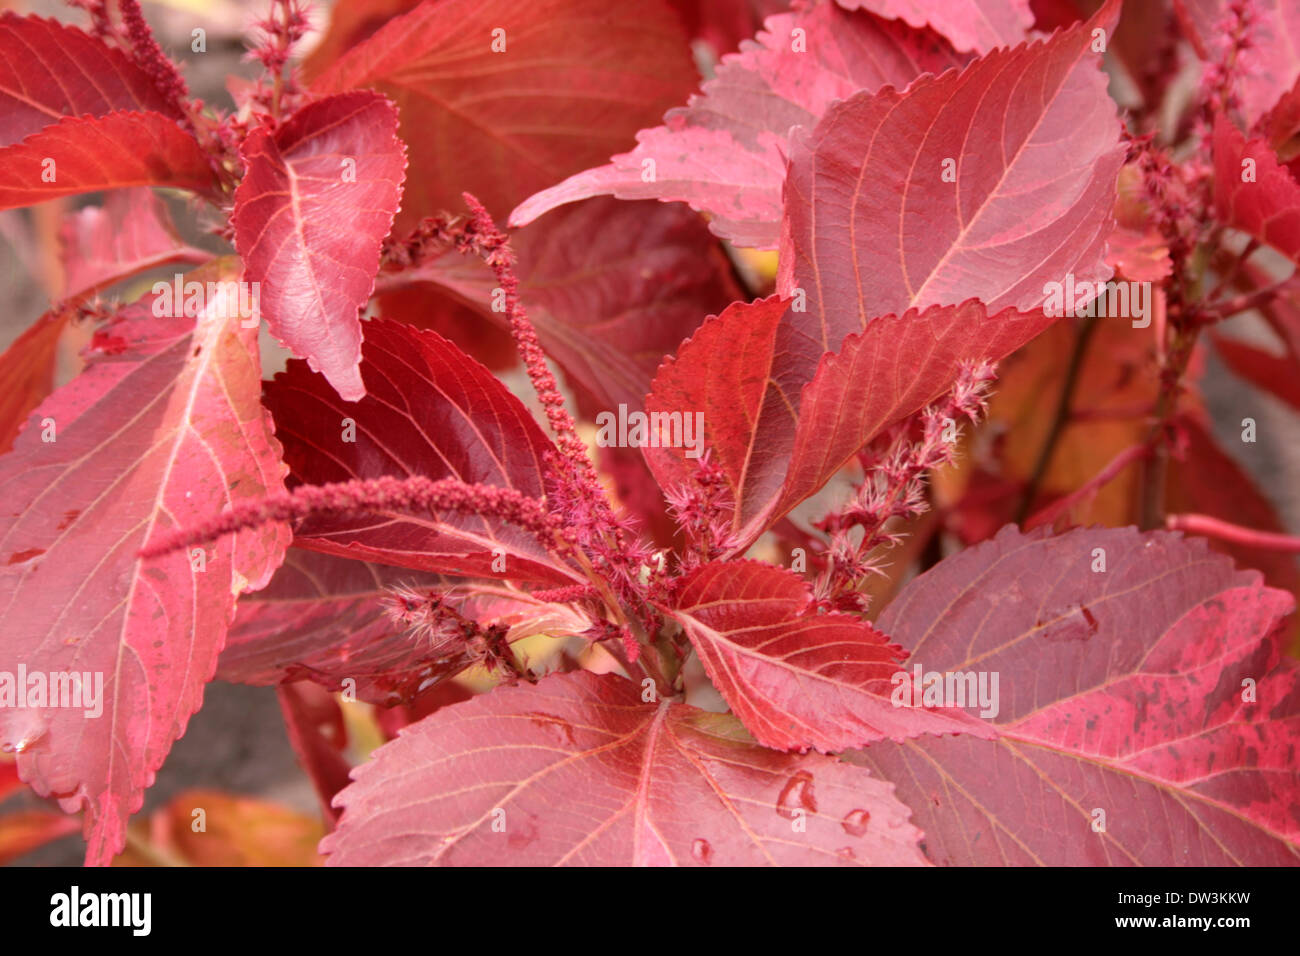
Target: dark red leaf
point(575, 81)
point(796, 678)
point(429, 410)
point(93, 153)
point(161, 433)
point(317, 200)
point(318, 734)
point(321, 619)
point(725, 152)
point(662, 784)
point(612, 288)
point(1121, 691)
point(723, 24)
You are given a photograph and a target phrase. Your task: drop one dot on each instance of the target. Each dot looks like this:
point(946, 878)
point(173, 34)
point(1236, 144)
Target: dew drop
point(846, 853)
point(702, 851)
point(797, 794)
point(855, 823)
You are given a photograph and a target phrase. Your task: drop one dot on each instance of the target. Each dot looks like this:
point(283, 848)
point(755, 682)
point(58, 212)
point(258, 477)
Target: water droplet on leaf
point(797, 794)
point(855, 823)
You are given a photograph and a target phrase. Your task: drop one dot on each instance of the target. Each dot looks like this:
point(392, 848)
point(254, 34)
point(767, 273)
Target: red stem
point(1237, 534)
point(1117, 464)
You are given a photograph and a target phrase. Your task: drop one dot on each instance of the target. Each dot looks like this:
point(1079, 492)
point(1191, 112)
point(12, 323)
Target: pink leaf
point(564, 84)
point(986, 183)
point(612, 288)
point(49, 70)
point(429, 410)
point(317, 200)
point(979, 25)
point(797, 678)
point(162, 430)
point(321, 618)
point(724, 153)
point(130, 233)
point(86, 154)
point(661, 784)
point(1253, 192)
point(1122, 690)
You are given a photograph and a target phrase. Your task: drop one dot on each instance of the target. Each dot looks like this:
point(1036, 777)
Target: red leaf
point(162, 433)
point(661, 785)
point(735, 371)
point(317, 200)
point(427, 306)
point(1029, 137)
point(318, 734)
point(612, 288)
point(779, 442)
point(429, 410)
point(1279, 374)
point(576, 80)
point(92, 153)
point(894, 367)
point(724, 24)
point(725, 151)
point(49, 70)
point(27, 369)
point(1268, 205)
point(351, 23)
point(978, 25)
point(1208, 481)
point(9, 782)
point(796, 678)
point(321, 619)
point(132, 232)
point(1120, 691)
point(1263, 69)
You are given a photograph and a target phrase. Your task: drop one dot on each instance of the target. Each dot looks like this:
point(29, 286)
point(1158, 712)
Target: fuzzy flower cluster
point(150, 57)
point(277, 33)
point(894, 488)
point(414, 495)
point(704, 509)
point(574, 493)
point(430, 619)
